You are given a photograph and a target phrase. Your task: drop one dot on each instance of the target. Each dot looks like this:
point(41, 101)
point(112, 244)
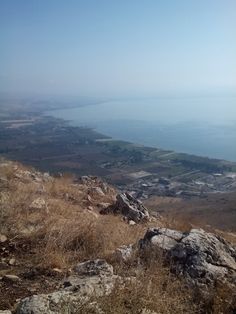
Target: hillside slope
point(48, 225)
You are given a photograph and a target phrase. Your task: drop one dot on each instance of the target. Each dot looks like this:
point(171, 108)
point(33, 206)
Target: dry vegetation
point(155, 290)
point(68, 229)
point(65, 229)
point(216, 210)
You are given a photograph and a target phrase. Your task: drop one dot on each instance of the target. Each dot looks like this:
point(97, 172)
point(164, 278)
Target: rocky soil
point(75, 245)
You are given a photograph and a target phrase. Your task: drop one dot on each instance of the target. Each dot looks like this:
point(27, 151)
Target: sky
point(121, 48)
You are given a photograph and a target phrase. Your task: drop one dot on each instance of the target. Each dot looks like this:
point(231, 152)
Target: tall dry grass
point(85, 237)
point(68, 232)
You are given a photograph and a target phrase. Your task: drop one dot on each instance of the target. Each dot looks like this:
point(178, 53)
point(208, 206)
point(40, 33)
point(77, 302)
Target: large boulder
point(201, 257)
point(129, 207)
point(93, 278)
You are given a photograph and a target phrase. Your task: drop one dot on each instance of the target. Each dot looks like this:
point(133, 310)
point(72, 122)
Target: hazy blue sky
point(117, 47)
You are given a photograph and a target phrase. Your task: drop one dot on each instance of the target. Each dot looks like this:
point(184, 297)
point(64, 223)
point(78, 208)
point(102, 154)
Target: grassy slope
point(68, 230)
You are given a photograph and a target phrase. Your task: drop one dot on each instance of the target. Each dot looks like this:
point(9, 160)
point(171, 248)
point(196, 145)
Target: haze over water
point(204, 126)
point(111, 49)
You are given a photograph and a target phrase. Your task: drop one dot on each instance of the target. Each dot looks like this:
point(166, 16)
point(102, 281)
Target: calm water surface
point(200, 126)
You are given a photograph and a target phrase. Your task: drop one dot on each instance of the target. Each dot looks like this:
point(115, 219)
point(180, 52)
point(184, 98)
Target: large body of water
point(204, 126)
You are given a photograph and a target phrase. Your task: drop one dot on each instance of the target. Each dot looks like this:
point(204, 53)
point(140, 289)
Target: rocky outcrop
point(95, 185)
point(129, 207)
point(31, 176)
point(201, 257)
point(93, 278)
point(94, 268)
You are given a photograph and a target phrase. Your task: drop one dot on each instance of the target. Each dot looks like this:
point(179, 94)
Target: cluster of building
point(147, 184)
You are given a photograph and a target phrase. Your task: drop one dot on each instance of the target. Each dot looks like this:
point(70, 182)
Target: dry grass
point(66, 232)
point(86, 237)
point(151, 292)
point(181, 224)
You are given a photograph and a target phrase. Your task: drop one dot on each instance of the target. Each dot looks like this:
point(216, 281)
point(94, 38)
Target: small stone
point(124, 252)
point(89, 198)
point(57, 270)
point(132, 223)
point(3, 238)
point(11, 278)
point(12, 261)
point(38, 204)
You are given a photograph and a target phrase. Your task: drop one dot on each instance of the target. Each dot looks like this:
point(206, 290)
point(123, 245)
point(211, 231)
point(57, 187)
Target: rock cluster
point(129, 207)
point(29, 176)
point(200, 257)
point(95, 185)
point(93, 278)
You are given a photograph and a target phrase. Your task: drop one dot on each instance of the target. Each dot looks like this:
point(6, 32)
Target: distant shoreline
point(72, 122)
